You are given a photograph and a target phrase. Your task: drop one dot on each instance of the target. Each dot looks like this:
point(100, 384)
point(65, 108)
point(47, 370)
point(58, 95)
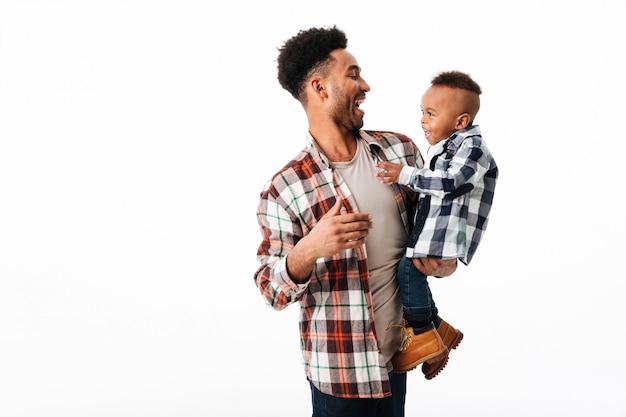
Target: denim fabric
point(325, 405)
point(418, 305)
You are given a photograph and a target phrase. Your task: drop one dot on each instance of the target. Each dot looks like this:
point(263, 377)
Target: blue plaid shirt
point(455, 198)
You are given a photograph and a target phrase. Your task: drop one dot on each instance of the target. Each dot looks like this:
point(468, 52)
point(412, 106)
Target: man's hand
point(433, 267)
point(388, 172)
point(333, 233)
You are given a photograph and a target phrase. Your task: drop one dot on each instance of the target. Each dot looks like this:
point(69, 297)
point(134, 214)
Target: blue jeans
point(325, 405)
point(418, 305)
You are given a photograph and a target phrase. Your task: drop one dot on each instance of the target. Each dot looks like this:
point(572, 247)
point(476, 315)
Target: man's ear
point(462, 121)
point(319, 87)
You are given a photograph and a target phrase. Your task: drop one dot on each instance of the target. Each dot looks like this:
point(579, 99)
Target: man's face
point(347, 91)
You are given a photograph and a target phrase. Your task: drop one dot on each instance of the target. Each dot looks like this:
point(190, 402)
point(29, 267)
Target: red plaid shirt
point(338, 338)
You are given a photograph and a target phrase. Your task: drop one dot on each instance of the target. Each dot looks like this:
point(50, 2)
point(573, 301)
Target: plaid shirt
point(455, 200)
point(338, 338)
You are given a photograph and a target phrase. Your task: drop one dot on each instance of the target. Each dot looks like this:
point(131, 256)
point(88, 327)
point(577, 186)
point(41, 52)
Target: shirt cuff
point(405, 175)
point(285, 281)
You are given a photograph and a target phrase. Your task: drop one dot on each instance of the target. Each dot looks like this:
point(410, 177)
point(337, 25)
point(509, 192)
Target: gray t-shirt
point(385, 244)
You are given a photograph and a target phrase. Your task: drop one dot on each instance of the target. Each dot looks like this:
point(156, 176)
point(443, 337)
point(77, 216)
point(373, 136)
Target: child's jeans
point(418, 305)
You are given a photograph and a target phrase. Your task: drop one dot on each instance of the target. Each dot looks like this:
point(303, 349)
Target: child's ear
point(462, 121)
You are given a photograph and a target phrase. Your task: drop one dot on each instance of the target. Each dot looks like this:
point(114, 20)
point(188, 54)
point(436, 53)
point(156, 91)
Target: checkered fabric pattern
point(461, 187)
point(338, 338)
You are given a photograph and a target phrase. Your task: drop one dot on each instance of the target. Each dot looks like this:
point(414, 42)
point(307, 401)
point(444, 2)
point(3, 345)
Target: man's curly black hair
point(305, 51)
point(456, 79)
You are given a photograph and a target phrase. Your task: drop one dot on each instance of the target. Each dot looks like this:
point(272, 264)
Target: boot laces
point(406, 336)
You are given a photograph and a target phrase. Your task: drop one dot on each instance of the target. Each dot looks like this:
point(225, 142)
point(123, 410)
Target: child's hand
point(388, 172)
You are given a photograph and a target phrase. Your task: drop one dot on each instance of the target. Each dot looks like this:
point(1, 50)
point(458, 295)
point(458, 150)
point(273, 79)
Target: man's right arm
point(333, 233)
point(288, 261)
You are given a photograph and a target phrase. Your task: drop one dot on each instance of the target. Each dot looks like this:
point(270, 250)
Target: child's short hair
point(456, 79)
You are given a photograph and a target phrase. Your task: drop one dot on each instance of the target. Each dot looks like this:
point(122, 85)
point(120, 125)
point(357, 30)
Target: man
point(332, 234)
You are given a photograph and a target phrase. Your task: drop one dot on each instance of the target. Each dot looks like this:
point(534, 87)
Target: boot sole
point(432, 358)
point(453, 345)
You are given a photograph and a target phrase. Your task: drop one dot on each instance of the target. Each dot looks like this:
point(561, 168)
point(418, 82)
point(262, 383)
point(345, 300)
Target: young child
point(456, 193)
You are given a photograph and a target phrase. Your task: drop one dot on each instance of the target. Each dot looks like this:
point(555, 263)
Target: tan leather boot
point(451, 338)
point(424, 347)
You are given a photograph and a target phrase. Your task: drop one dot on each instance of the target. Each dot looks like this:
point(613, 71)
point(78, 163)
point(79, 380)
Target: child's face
point(441, 109)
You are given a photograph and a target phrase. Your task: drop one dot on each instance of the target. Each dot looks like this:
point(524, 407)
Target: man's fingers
point(363, 222)
point(435, 267)
point(356, 236)
point(349, 218)
point(335, 209)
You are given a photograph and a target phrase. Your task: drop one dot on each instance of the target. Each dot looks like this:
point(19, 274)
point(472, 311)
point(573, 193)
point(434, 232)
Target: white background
point(135, 137)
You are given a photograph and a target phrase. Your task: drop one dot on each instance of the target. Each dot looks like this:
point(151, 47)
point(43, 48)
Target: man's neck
point(338, 146)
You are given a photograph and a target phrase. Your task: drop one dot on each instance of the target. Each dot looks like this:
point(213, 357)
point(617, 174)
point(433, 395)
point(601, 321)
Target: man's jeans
point(328, 406)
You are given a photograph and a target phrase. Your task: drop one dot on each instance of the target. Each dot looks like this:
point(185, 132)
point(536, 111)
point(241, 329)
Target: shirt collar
point(434, 151)
point(454, 141)
point(316, 152)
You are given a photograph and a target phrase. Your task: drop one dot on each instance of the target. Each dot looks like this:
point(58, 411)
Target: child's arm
point(388, 171)
point(467, 167)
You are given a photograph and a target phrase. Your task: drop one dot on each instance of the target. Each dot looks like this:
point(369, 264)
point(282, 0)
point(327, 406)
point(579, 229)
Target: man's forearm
point(299, 266)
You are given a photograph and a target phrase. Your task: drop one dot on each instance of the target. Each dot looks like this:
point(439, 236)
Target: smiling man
point(332, 234)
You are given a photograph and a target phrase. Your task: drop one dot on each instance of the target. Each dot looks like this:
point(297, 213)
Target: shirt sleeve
point(459, 176)
point(280, 234)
